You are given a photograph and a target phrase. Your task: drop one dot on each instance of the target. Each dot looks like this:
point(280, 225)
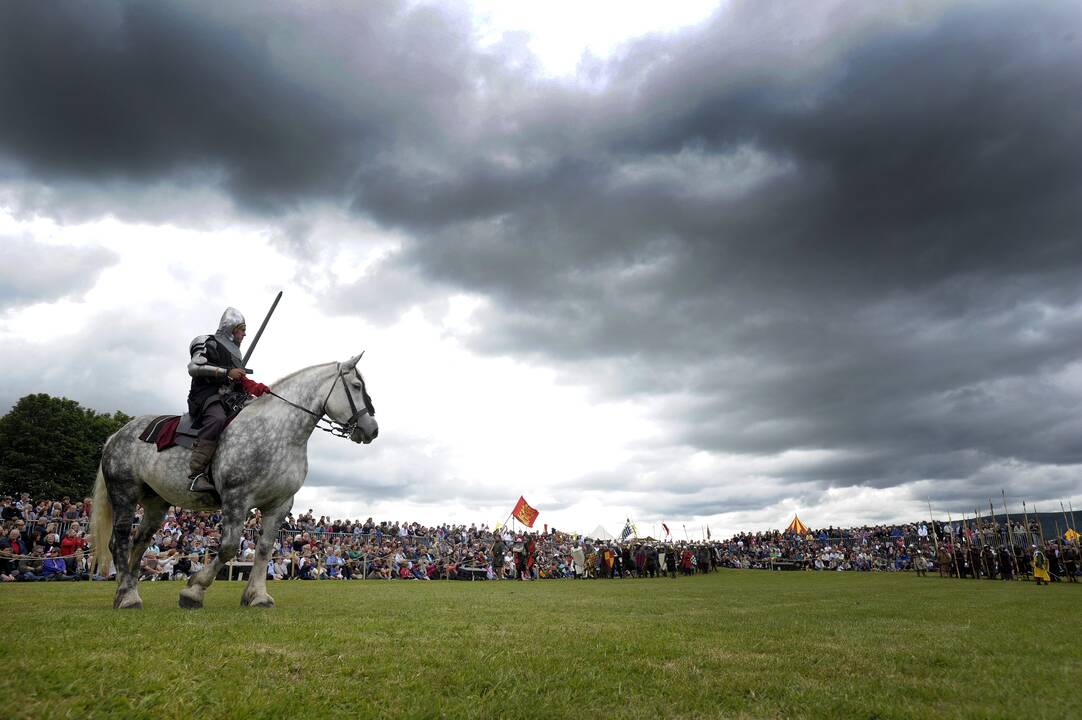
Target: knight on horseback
point(220, 389)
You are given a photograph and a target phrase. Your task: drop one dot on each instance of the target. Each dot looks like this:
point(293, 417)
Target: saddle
point(168, 431)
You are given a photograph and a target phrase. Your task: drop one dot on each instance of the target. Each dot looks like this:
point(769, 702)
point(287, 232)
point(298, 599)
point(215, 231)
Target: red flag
point(524, 513)
point(666, 528)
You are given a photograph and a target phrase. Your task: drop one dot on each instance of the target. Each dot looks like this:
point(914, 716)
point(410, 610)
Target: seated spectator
point(71, 546)
point(306, 566)
point(333, 565)
point(53, 567)
point(277, 570)
point(11, 547)
point(151, 568)
point(182, 568)
point(31, 569)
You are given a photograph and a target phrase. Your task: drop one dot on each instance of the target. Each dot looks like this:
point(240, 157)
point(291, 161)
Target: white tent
point(600, 533)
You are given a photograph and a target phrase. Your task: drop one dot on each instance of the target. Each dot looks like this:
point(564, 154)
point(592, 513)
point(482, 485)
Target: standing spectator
point(8, 510)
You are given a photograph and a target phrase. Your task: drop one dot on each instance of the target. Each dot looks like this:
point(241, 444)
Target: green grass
point(732, 644)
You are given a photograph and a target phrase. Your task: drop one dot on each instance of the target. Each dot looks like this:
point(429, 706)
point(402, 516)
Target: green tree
point(50, 447)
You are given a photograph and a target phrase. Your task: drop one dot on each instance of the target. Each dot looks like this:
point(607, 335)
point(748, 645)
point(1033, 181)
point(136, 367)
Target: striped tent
point(796, 527)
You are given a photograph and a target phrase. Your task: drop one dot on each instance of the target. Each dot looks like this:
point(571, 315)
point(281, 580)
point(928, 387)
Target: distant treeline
point(50, 447)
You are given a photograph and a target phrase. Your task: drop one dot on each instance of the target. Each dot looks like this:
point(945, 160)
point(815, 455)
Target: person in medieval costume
point(1040, 566)
point(220, 388)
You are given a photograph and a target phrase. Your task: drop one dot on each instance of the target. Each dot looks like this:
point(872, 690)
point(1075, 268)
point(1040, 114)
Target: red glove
point(252, 387)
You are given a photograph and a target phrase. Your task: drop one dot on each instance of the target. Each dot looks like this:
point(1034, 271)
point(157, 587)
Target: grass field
point(732, 644)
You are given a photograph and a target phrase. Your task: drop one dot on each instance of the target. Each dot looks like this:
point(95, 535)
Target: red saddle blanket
point(162, 431)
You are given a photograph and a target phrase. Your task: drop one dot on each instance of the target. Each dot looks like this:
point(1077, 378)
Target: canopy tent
point(600, 533)
point(796, 527)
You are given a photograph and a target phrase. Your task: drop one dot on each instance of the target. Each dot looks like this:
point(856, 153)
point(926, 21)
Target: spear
point(998, 544)
point(1010, 533)
point(1040, 529)
point(954, 555)
point(935, 538)
point(974, 544)
point(1029, 532)
point(1065, 523)
point(1059, 553)
point(983, 542)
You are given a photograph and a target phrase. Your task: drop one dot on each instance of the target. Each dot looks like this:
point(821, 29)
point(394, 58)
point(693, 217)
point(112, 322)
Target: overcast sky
point(708, 267)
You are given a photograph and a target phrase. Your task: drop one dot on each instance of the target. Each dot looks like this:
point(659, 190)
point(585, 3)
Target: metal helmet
point(231, 318)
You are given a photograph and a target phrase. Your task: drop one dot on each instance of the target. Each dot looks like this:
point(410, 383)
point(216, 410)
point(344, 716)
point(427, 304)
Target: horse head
point(352, 406)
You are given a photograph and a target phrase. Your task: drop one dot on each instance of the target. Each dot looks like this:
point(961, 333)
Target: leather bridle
point(336, 428)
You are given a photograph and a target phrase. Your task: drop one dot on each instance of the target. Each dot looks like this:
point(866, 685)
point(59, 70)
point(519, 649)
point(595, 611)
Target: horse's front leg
point(255, 594)
point(233, 513)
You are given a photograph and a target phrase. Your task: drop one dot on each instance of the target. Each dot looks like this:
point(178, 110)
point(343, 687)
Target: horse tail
point(101, 526)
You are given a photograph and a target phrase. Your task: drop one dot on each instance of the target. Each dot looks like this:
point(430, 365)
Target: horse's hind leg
point(122, 497)
point(154, 509)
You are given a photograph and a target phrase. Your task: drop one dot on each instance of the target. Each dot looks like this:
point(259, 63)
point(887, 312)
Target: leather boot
point(202, 454)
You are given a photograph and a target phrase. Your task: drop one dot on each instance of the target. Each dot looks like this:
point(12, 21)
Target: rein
point(334, 427)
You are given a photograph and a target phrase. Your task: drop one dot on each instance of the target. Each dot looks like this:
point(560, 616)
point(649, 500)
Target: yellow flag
point(1071, 535)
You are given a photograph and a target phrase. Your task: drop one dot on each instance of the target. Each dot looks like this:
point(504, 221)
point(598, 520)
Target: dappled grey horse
point(261, 462)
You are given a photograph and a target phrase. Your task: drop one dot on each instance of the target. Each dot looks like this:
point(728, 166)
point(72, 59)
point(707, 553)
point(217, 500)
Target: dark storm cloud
point(278, 104)
point(844, 228)
point(32, 272)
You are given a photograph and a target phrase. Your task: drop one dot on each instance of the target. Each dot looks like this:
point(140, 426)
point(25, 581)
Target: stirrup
point(201, 483)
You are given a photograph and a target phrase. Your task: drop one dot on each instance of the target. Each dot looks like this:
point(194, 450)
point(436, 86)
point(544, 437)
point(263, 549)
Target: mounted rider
point(220, 388)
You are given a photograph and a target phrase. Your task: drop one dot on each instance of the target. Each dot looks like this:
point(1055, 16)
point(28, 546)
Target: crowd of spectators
point(45, 540)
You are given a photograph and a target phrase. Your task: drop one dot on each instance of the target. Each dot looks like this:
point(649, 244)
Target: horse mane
point(298, 372)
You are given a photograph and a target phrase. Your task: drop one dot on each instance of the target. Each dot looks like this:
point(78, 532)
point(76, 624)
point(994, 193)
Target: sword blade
point(255, 340)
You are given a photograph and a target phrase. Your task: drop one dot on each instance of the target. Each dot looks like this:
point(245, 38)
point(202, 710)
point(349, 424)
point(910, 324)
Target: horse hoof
point(129, 604)
point(190, 602)
point(265, 601)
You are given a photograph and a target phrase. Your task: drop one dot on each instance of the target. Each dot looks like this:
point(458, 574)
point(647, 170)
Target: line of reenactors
point(966, 560)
